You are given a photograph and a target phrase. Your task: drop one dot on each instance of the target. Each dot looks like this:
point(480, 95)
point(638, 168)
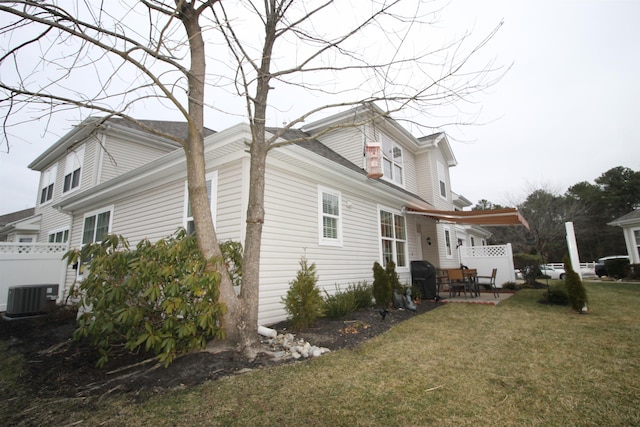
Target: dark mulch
point(56, 365)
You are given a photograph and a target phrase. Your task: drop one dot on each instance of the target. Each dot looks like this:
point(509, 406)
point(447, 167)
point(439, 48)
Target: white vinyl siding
point(329, 217)
point(47, 184)
point(290, 232)
point(347, 142)
point(122, 156)
point(212, 194)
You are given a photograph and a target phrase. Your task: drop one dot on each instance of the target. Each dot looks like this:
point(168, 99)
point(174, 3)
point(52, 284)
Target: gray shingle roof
point(177, 129)
point(16, 216)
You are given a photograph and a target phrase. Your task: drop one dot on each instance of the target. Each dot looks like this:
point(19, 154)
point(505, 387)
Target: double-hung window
point(61, 236)
point(73, 169)
point(48, 180)
point(442, 180)
point(212, 188)
point(447, 242)
point(636, 235)
point(392, 161)
point(97, 225)
point(393, 238)
point(329, 217)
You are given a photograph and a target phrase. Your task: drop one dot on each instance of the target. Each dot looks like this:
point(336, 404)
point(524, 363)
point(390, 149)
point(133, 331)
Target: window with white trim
point(393, 238)
point(59, 236)
point(212, 194)
point(636, 235)
point(47, 182)
point(447, 242)
point(329, 217)
point(96, 225)
point(73, 169)
point(442, 180)
point(392, 161)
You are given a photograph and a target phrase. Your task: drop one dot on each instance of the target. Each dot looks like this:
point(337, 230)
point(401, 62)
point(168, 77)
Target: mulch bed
point(58, 366)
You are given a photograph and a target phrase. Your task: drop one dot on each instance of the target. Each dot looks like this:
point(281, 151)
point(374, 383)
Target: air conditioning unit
point(29, 300)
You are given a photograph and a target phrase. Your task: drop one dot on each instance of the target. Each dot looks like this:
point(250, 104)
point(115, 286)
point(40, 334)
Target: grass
point(519, 363)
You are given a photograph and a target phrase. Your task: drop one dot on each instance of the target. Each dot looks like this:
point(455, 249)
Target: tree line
point(589, 206)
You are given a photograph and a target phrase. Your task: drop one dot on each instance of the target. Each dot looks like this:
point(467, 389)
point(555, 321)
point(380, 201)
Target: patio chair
point(489, 282)
point(457, 282)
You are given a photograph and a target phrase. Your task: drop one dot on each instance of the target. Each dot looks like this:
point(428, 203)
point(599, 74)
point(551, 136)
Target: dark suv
point(600, 267)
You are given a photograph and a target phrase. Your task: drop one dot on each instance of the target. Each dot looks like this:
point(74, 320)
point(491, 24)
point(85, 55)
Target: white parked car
point(553, 273)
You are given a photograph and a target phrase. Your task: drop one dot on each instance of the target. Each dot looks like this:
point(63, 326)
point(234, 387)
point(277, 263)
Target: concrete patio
point(487, 298)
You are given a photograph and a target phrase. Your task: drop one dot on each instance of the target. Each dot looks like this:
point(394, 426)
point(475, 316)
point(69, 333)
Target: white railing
point(583, 265)
point(587, 269)
point(11, 248)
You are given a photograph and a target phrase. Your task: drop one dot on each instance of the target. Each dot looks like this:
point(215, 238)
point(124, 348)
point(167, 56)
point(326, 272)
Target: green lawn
point(518, 363)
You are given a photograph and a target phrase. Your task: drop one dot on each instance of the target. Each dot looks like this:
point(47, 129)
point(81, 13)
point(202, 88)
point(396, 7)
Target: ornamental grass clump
point(339, 304)
point(303, 302)
point(362, 294)
point(160, 297)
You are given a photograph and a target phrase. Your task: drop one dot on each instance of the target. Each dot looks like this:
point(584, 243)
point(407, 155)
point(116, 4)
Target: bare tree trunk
point(196, 175)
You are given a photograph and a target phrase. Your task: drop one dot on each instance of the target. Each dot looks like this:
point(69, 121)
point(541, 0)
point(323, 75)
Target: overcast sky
point(567, 111)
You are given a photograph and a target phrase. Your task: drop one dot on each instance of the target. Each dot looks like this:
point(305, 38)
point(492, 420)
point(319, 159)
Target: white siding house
point(319, 201)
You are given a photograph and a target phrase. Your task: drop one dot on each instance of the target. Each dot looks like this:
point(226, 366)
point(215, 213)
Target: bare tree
point(272, 43)
point(153, 52)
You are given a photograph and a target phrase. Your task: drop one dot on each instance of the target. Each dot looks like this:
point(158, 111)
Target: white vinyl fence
point(30, 264)
point(486, 258)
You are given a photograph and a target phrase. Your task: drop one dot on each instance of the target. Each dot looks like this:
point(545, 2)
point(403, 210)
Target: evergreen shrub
point(382, 291)
point(303, 301)
point(576, 291)
point(616, 267)
point(394, 279)
point(556, 294)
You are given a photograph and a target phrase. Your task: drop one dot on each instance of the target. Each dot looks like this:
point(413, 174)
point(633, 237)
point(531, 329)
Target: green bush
point(556, 294)
point(511, 286)
point(303, 301)
point(339, 304)
point(529, 265)
point(394, 280)
point(632, 272)
point(357, 296)
point(362, 294)
point(232, 252)
point(576, 292)
point(159, 297)
point(382, 291)
point(616, 267)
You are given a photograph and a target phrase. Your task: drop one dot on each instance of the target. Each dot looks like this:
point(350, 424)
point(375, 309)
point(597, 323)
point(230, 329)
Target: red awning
point(494, 217)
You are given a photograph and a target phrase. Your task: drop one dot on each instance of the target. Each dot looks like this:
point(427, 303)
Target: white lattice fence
point(32, 248)
point(486, 258)
point(30, 264)
point(484, 251)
